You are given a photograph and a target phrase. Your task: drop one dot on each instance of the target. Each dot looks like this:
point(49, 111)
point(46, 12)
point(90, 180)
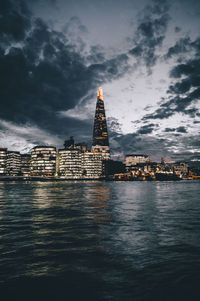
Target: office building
point(43, 161)
point(92, 165)
point(181, 169)
point(13, 165)
point(69, 162)
point(3, 161)
point(76, 162)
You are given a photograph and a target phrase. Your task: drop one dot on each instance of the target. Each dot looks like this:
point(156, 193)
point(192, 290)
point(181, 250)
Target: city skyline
point(55, 54)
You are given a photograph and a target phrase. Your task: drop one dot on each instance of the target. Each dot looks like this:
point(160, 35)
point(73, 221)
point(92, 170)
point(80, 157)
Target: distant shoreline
point(46, 179)
point(54, 179)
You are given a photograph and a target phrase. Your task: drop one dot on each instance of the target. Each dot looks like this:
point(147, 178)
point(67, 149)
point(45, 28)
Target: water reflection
point(66, 221)
point(113, 237)
point(2, 194)
point(98, 196)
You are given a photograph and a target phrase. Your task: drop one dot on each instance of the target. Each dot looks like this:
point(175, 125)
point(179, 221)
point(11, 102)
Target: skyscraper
point(100, 133)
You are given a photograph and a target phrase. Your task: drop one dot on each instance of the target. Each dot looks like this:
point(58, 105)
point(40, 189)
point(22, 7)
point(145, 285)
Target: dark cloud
point(180, 129)
point(185, 91)
point(151, 32)
point(170, 130)
point(132, 144)
point(190, 69)
point(114, 125)
point(96, 54)
point(45, 74)
point(181, 46)
point(158, 147)
point(146, 129)
point(14, 21)
point(175, 105)
point(180, 87)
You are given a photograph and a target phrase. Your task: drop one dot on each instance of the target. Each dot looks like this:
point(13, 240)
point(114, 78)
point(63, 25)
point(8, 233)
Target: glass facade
point(92, 165)
point(43, 161)
point(13, 165)
point(100, 131)
point(69, 162)
point(3, 161)
point(76, 164)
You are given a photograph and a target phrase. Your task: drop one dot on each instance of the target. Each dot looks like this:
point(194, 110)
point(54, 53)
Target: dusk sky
point(145, 54)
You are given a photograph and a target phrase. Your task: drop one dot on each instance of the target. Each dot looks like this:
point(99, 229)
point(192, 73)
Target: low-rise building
point(69, 163)
point(43, 161)
point(13, 165)
point(103, 150)
point(181, 169)
point(3, 161)
point(92, 165)
point(76, 162)
point(132, 160)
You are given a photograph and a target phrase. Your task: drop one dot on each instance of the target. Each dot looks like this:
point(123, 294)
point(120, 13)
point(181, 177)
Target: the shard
point(100, 133)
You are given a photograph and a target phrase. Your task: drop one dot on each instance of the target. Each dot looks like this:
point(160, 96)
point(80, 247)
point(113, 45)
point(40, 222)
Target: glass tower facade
point(100, 141)
point(100, 132)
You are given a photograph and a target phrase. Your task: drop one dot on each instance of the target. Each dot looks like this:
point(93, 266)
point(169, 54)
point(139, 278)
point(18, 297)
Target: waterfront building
point(43, 161)
point(100, 141)
point(92, 165)
point(3, 161)
point(69, 163)
point(181, 169)
point(13, 164)
point(25, 165)
point(132, 160)
point(76, 162)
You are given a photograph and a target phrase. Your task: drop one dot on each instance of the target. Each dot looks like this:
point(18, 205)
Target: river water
point(100, 240)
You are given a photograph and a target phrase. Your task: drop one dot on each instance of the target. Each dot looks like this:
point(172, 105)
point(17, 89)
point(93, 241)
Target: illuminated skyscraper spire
point(100, 132)
point(100, 93)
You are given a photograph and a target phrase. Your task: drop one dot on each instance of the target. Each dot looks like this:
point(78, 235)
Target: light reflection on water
point(130, 239)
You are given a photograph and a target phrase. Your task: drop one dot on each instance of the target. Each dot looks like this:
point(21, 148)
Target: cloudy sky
point(54, 54)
